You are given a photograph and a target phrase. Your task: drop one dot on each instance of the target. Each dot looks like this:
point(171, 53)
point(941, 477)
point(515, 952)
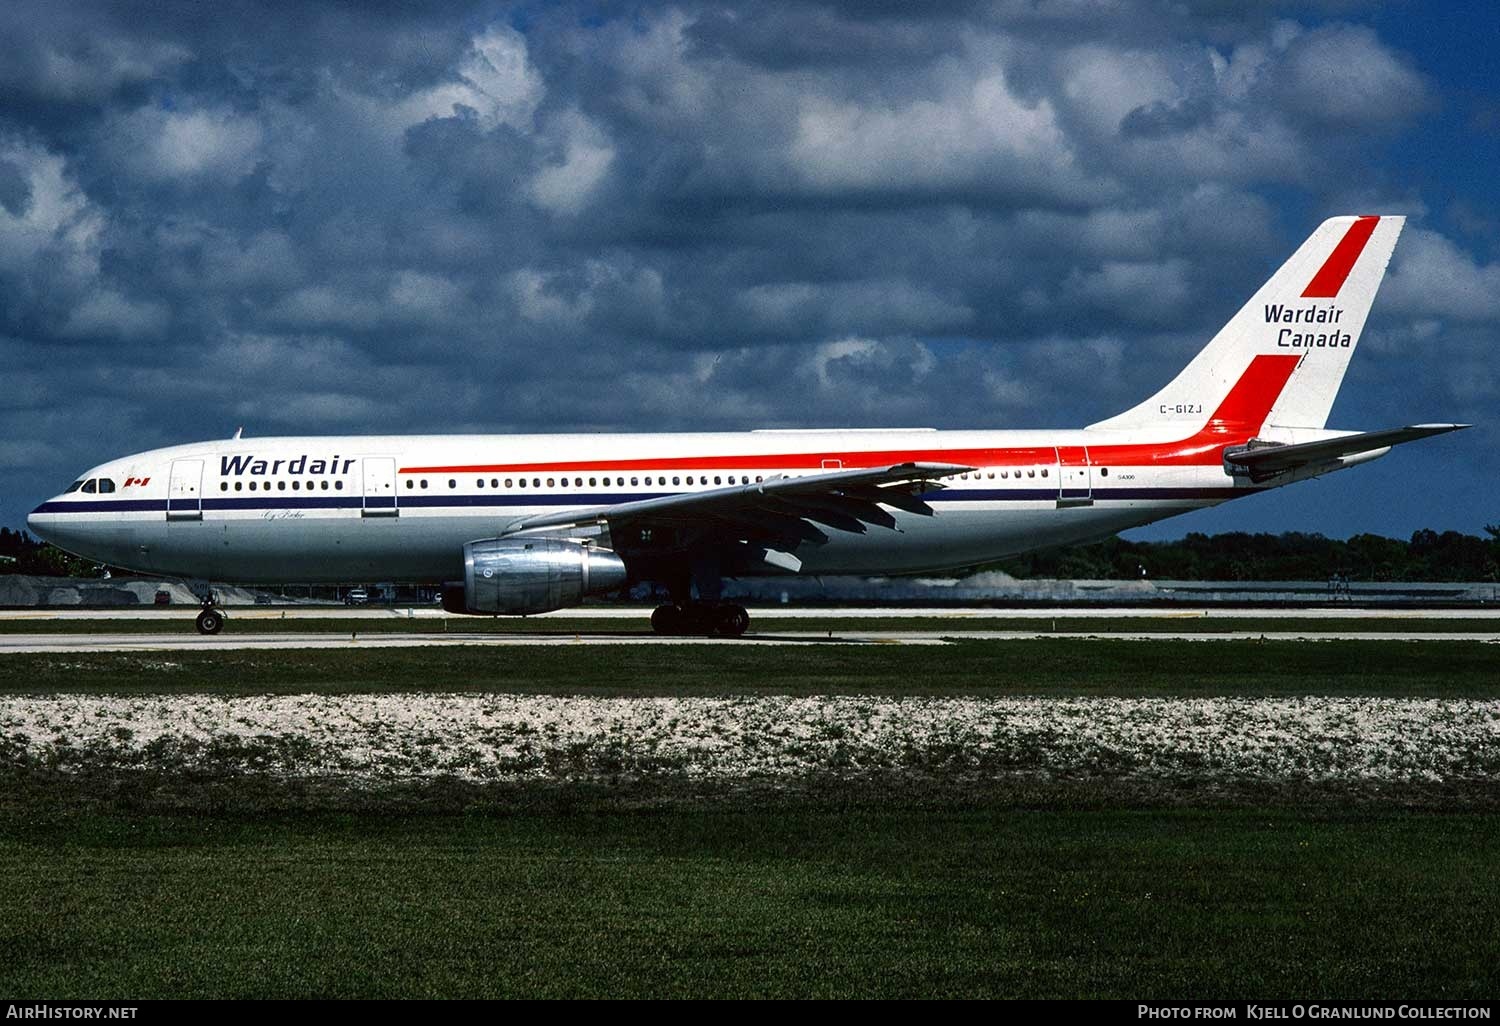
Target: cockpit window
point(74, 487)
point(106, 485)
point(91, 486)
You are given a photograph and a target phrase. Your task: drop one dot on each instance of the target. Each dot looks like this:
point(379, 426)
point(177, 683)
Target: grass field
point(793, 902)
point(171, 880)
point(1033, 667)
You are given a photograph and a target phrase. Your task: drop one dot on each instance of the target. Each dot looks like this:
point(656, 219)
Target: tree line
point(1293, 556)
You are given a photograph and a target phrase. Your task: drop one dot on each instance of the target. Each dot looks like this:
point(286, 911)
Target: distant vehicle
point(357, 597)
point(163, 597)
point(524, 524)
point(263, 600)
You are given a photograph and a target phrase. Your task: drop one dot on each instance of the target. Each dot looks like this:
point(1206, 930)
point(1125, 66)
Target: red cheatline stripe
point(758, 461)
point(1335, 270)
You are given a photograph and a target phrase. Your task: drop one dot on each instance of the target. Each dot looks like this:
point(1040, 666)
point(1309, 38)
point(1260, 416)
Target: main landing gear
point(714, 619)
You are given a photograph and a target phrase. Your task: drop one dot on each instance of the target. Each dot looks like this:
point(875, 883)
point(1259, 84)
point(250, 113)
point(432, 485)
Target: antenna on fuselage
point(237, 432)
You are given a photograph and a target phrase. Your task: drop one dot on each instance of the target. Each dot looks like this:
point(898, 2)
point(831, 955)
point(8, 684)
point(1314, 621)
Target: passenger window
point(252, 486)
point(635, 480)
point(297, 485)
point(451, 483)
point(509, 484)
point(551, 482)
point(495, 482)
point(424, 482)
point(536, 482)
point(408, 483)
point(1044, 471)
point(223, 486)
point(325, 486)
point(1103, 471)
point(479, 482)
point(523, 482)
point(338, 486)
point(281, 486)
point(236, 486)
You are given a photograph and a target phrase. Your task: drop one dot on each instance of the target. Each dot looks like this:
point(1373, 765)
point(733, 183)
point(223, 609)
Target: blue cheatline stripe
point(539, 499)
point(105, 506)
point(287, 502)
point(527, 499)
point(990, 495)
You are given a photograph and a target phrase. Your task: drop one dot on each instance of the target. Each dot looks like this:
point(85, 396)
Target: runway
point(762, 613)
point(187, 642)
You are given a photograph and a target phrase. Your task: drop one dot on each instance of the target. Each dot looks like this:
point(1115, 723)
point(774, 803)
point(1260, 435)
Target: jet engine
point(531, 575)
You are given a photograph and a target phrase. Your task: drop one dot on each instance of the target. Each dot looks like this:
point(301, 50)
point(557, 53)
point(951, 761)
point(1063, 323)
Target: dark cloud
point(15, 189)
point(339, 217)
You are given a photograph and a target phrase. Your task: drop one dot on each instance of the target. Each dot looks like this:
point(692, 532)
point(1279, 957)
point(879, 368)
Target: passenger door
point(1074, 476)
point(380, 487)
point(185, 490)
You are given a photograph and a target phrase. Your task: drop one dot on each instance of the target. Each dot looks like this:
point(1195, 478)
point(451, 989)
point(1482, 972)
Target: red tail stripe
point(1249, 402)
point(1335, 270)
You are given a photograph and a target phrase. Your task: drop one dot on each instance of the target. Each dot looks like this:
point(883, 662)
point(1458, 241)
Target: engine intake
point(531, 575)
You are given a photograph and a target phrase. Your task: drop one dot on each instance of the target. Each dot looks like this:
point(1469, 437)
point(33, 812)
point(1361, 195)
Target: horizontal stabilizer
point(1262, 460)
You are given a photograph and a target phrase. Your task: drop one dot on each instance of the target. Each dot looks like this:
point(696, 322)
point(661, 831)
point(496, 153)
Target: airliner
point(523, 524)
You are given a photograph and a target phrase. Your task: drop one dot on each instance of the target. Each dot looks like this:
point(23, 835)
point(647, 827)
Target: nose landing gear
point(211, 618)
point(210, 621)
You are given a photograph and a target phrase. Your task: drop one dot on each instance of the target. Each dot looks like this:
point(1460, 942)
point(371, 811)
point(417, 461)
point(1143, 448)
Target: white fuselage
point(400, 508)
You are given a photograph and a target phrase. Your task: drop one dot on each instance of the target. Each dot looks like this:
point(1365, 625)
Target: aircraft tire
point(731, 621)
point(667, 619)
point(210, 621)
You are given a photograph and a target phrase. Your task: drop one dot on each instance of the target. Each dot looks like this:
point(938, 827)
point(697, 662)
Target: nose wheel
point(210, 621)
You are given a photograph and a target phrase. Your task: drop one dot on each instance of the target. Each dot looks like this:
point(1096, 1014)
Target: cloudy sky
point(352, 217)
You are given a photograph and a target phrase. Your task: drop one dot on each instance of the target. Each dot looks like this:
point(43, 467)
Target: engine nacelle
point(531, 575)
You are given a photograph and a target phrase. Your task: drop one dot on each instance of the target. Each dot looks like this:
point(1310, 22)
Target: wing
point(779, 512)
point(1265, 460)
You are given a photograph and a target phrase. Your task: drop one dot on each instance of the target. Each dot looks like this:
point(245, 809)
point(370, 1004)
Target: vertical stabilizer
point(1307, 318)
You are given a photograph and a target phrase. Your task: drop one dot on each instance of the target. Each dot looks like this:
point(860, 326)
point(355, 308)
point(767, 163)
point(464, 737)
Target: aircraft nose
point(36, 522)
